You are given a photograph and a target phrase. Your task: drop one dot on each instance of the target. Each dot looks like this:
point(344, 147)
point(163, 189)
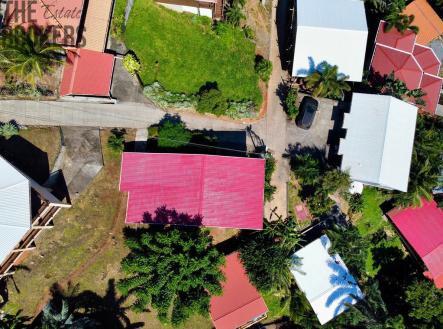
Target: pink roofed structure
point(240, 305)
point(193, 189)
point(422, 227)
point(416, 65)
point(87, 73)
point(59, 18)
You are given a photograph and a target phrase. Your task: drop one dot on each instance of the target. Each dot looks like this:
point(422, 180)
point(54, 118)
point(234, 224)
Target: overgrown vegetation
point(131, 64)
point(173, 270)
point(116, 142)
point(166, 99)
point(269, 171)
point(184, 52)
point(291, 103)
point(173, 134)
point(263, 67)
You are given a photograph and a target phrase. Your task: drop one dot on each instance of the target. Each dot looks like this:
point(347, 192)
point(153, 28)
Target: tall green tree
point(307, 169)
point(425, 303)
point(173, 270)
point(325, 81)
point(266, 254)
point(27, 55)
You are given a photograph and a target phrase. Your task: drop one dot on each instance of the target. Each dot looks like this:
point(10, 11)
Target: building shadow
point(170, 216)
point(336, 133)
point(26, 157)
point(285, 22)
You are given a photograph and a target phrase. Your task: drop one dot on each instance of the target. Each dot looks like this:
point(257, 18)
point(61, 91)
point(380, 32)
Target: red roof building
point(87, 73)
point(416, 65)
point(422, 227)
point(59, 18)
point(193, 189)
point(241, 305)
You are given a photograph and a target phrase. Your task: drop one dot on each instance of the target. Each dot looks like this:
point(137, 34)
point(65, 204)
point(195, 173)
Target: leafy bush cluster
point(8, 129)
point(24, 90)
point(269, 171)
point(211, 101)
point(318, 182)
point(131, 64)
point(116, 142)
point(241, 110)
point(263, 67)
point(165, 99)
point(291, 103)
point(172, 134)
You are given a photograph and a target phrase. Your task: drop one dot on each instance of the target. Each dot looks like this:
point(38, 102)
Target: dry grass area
point(46, 139)
point(258, 18)
point(85, 248)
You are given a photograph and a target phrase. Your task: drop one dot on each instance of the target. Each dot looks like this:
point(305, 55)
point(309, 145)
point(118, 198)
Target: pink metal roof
point(61, 18)
point(193, 189)
point(417, 66)
point(240, 302)
point(422, 227)
point(87, 72)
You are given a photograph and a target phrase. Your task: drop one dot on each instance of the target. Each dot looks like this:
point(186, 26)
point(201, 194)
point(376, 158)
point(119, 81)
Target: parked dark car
point(308, 109)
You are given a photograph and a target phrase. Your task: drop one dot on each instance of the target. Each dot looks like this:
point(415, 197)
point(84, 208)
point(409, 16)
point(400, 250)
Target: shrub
point(166, 99)
point(118, 22)
point(9, 129)
point(116, 143)
point(153, 131)
point(131, 64)
point(173, 134)
point(269, 171)
point(249, 32)
point(263, 67)
point(212, 101)
point(355, 203)
point(241, 110)
point(291, 103)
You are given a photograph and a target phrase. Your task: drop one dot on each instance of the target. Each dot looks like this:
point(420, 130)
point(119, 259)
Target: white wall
point(188, 9)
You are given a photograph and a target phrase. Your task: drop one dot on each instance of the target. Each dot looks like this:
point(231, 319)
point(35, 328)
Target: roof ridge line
point(239, 308)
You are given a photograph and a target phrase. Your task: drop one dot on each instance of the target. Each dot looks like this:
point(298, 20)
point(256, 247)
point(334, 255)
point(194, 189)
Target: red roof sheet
point(87, 72)
point(224, 191)
point(417, 66)
point(240, 302)
point(422, 227)
point(60, 17)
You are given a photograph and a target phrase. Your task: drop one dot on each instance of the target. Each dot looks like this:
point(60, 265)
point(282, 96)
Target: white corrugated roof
point(378, 146)
point(15, 207)
point(332, 31)
point(325, 280)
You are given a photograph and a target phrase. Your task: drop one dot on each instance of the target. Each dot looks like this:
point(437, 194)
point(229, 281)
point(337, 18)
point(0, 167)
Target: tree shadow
point(165, 216)
point(173, 118)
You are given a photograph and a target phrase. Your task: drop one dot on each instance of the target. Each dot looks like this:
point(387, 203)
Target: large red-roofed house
point(193, 189)
point(240, 305)
point(416, 65)
point(422, 228)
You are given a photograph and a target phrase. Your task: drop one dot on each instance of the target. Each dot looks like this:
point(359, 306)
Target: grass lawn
point(276, 311)
point(183, 53)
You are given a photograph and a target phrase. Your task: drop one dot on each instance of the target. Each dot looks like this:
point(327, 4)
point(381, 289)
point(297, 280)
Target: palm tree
point(234, 14)
point(325, 81)
point(27, 55)
point(64, 318)
point(400, 21)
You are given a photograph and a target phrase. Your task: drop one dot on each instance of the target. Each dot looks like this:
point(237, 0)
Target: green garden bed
point(184, 53)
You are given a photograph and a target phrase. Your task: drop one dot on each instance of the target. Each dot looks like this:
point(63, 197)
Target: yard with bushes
point(185, 53)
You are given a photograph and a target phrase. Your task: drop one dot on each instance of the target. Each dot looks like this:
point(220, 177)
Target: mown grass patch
point(183, 53)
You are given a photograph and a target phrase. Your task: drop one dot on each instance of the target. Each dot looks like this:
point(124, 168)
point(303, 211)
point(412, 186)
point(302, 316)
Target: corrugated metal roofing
point(15, 207)
point(225, 191)
point(429, 23)
point(87, 73)
point(422, 227)
point(375, 150)
point(240, 302)
point(324, 279)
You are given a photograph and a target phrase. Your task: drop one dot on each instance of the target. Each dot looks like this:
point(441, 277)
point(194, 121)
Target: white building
point(331, 31)
point(325, 280)
point(379, 140)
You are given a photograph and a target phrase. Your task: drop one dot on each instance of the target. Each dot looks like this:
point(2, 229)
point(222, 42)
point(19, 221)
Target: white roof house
point(15, 207)
point(379, 140)
point(325, 280)
point(332, 31)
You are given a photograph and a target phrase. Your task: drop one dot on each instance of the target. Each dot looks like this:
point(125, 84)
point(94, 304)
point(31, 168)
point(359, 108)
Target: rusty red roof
point(416, 65)
point(240, 303)
point(87, 73)
point(193, 189)
point(422, 227)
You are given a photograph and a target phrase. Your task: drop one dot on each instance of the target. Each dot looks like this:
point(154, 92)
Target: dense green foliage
point(396, 19)
point(183, 53)
point(426, 163)
point(269, 171)
point(13, 321)
point(263, 67)
point(266, 254)
point(211, 101)
point(234, 14)
point(116, 143)
point(355, 203)
point(8, 129)
point(325, 81)
point(173, 134)
point(426, 303)
point(131, 64)
point(174, 270)
point(291, 103)
point(27, 56)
